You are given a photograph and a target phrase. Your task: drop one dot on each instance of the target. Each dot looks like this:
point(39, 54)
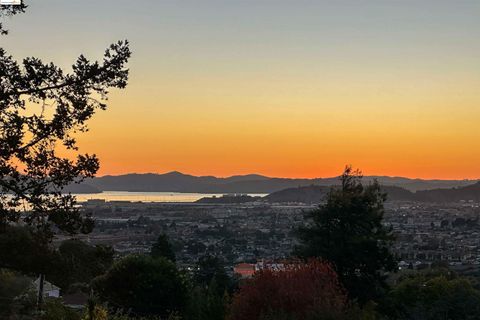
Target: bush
point(143, 285)
point(300, 291)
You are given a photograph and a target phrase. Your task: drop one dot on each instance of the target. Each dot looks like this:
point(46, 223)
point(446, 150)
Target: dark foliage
point(301, 291)
point(80, 263)
point(143, 285)
point(210, 268)
point(347, 231)
point(25, 250)
point(8, 11)
point(42, 108)
point(211, 286)
point(432, 296)
point(12, 286)
point(162, 248)
point(206, 303)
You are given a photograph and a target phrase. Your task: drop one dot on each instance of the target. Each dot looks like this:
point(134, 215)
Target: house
point(49, 290)
point(245, 270)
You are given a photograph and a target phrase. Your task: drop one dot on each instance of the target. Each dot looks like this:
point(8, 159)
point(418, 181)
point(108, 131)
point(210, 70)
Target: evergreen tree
point(162, 248)
point(209, 295)
point(348, 232)
point(210, 268)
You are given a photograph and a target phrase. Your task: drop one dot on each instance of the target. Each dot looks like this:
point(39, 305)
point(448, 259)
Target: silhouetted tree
point(143, 285)
point(209, 295)
point(347, 231)
point(210, 268)
point(303, 291)
point(42, 108)
point(23, 250)
point(205, 303)
point(12, 285)
point(162, 248)
point(79, 263)
point(8, 11)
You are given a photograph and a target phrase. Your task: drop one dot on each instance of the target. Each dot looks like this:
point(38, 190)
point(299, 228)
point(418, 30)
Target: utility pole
point(40, 292)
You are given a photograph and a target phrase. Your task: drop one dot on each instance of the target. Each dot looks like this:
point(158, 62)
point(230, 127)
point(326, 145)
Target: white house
point(49, 290)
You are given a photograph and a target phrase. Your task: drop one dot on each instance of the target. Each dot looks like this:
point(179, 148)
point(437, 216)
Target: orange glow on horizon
point(290, 90)
point(202, 133)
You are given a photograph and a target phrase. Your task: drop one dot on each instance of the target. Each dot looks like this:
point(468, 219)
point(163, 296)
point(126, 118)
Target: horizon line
point(277, 177)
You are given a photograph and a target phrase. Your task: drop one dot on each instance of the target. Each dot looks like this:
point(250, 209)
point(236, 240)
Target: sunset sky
point(280, 88)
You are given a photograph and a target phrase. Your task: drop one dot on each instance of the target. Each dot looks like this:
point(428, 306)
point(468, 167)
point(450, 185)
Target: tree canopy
point(435, 296)
point(210, 268)
point(210, 288)
point(162, 248)
point(348, 232)
point(25, 251)
point(8, 11)
point(301, 291)
point(143, 285)
point(42, 109)
point(79, 263)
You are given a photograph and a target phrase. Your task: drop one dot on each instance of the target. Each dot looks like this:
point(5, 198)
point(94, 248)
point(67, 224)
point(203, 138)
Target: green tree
point(435, 297)
point(162, 248)
point(206, 303)
point(80, 263)
point(42, 109)
point(209, 295)
point(210, 268)
point(347, 231)
point(25, 250)
point(55, 310)
point(12, 286)
point(143, 285)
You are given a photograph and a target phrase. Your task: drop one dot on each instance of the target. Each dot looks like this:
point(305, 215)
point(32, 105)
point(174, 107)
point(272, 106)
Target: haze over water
point(149, 196)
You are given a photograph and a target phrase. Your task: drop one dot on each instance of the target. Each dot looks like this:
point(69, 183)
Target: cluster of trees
point(72, 267)
point(133, 286)
point(152, 286)
point(74, 262)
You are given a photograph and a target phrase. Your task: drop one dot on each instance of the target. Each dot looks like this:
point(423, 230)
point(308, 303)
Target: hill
point(81, 188)
point(179, 182)
point(468, 193)
point(309, 194)
point(315, 194)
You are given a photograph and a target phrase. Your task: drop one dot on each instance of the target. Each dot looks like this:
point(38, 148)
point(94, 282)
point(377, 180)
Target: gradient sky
point(282, 88)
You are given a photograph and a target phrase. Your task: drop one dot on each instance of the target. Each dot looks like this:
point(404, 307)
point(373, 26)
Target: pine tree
point(348, 232)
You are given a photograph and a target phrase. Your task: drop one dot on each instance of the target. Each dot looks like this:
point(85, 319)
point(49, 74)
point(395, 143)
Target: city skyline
point(278, 89)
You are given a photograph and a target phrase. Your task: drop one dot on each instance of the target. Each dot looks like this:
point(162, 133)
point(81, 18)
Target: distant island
point(229, 199)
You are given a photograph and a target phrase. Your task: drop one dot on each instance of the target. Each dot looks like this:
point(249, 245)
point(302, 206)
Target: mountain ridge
point(251, 183)
point(316, 194)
